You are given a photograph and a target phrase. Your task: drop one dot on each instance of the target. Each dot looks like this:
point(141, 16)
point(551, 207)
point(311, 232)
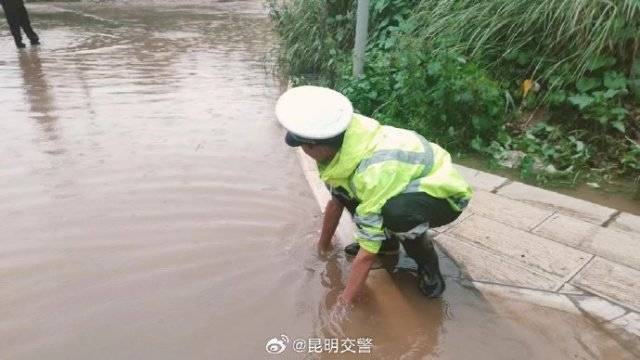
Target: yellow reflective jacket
point(377, 162)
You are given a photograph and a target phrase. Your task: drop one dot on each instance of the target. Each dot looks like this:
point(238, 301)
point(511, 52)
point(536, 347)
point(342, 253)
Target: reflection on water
point(150, 209)
point(38, 96)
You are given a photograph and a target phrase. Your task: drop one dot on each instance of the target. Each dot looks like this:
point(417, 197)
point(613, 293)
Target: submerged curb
point(512, 256)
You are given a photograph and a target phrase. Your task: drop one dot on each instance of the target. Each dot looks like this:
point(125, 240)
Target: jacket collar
point(355, 146)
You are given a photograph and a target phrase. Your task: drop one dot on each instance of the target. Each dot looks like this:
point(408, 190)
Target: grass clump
point(545, 39)
point(315, 37)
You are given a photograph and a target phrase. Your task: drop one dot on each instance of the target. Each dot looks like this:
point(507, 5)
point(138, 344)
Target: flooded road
point(150, 210)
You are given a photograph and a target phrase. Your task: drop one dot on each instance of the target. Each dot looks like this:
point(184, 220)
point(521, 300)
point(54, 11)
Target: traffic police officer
point(17, 18)
point(395, 183)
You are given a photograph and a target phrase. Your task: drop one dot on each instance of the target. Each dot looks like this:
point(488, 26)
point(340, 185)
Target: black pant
point(403, 212)
point(17, 18)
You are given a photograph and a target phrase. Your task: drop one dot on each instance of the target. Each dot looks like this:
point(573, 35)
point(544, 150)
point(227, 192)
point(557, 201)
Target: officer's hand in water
point(341, 311)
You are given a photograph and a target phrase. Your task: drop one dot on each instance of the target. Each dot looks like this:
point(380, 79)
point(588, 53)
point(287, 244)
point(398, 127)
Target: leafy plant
point(443, 97)
point(601, 100)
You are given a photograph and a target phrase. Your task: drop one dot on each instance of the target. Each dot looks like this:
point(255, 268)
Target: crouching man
point(394, 182)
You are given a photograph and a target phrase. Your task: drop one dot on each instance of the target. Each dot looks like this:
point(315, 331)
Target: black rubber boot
point(352, 249)
point(430, 280)
point(389, 247)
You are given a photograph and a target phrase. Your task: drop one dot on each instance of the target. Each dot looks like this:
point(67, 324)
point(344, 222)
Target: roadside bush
point(443, 97)
point(472, 74)
point(576, 61)
point(315, 37)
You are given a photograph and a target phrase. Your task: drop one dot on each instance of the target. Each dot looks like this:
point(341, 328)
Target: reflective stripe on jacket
point(377, 162)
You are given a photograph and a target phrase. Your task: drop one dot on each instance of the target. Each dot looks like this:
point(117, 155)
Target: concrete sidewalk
point(520, 241)
point(529, 238)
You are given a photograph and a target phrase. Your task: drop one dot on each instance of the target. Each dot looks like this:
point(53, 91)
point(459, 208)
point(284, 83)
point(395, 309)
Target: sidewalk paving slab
point(550, 200)
point(480, 180)
point(611, 281)
point(630, 322)
point(549, 299)
point(537, 253)
point(565, 229)
point(465, 214)
point(485, 266)
point(626, 222)
point(619, 246)
point(507, 211)
point(599, 308)
point(569, 289)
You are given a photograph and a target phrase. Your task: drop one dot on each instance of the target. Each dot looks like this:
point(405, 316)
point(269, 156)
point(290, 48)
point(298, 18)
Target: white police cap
point(314, 112)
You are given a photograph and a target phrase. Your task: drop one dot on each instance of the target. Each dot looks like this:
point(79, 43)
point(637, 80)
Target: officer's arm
point(370, 232)
point(358, 275)
point(332, 214)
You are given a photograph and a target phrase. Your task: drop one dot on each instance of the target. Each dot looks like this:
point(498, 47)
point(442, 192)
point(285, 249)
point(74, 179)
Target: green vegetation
point(550, 86)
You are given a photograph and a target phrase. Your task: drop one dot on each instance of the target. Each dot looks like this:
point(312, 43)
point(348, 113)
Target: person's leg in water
point(25, 23)
point(10, 8)
point(407, 217)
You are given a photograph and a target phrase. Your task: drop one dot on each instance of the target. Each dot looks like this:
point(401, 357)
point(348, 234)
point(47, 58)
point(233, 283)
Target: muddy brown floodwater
point(149, 209)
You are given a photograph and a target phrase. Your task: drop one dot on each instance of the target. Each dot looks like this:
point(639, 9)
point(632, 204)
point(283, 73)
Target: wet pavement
point(150, 209)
